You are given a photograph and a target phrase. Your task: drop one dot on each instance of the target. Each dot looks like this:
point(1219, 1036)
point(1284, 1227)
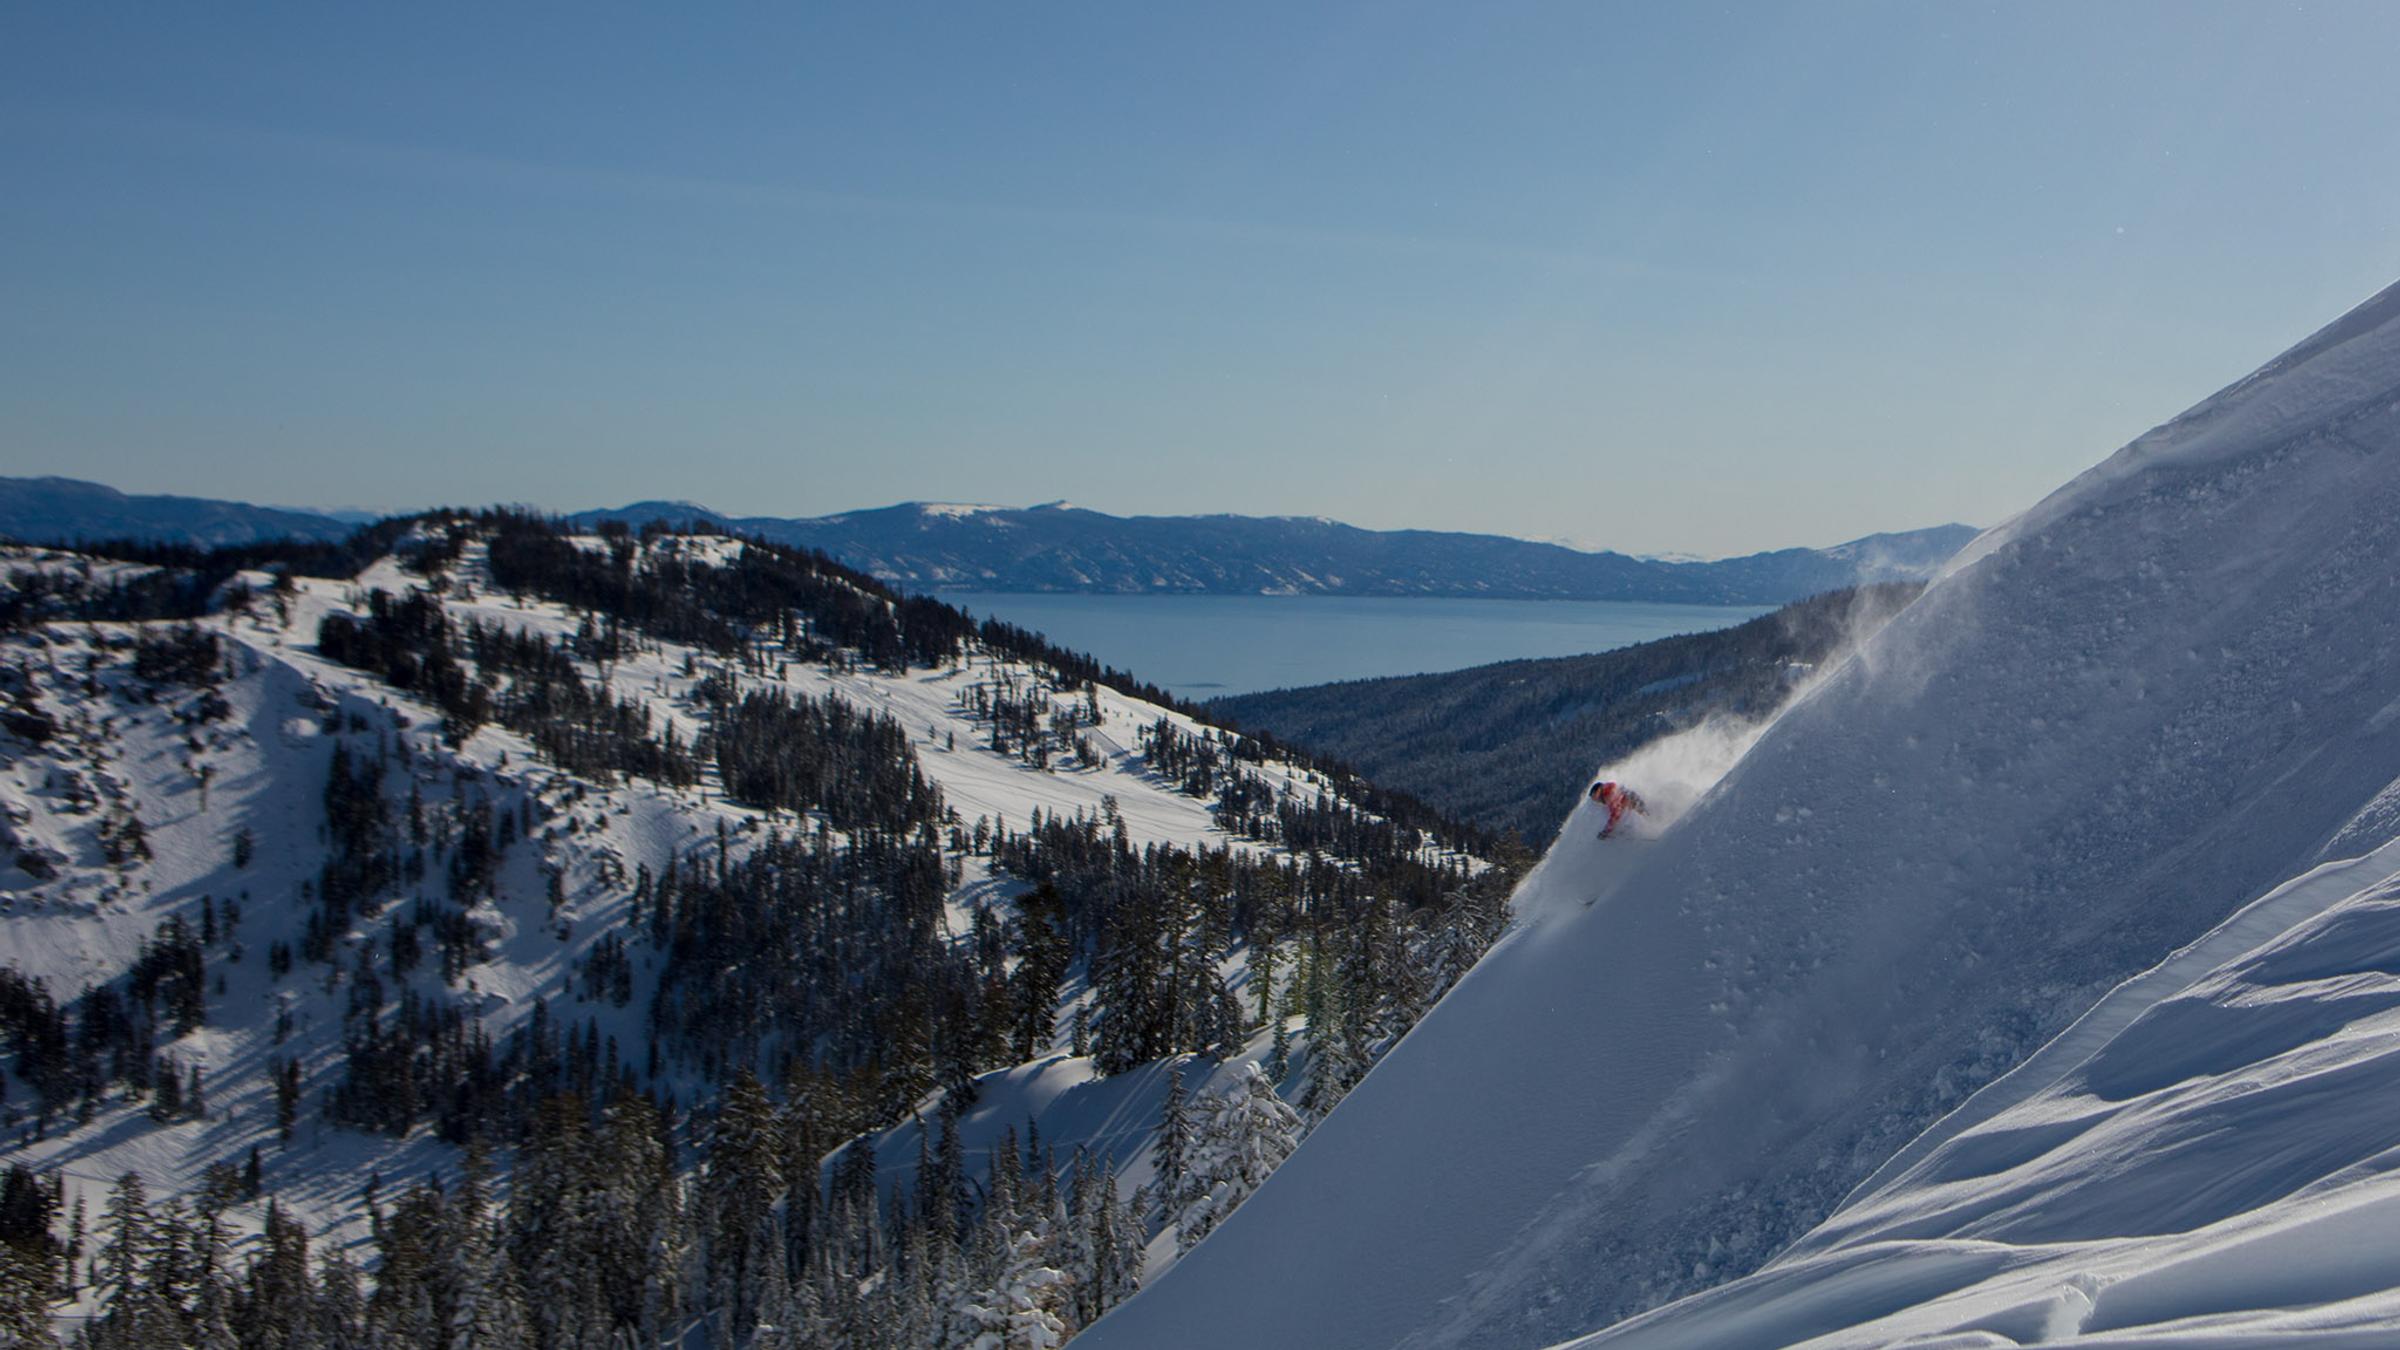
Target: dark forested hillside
point(1506, 746)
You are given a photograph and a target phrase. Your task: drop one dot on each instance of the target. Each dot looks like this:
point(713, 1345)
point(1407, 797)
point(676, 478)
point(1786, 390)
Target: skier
point(1619, 799)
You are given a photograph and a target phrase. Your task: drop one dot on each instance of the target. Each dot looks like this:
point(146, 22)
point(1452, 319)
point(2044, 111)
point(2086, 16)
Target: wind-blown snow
point(2159, 694)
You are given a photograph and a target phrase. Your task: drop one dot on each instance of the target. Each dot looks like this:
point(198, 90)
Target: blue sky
point(1656, 277)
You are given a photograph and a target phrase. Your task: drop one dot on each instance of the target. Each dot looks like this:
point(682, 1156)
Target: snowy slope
point(2162, 692)
point(2207, 1157)
point(129, 748)
point(1066, 1101)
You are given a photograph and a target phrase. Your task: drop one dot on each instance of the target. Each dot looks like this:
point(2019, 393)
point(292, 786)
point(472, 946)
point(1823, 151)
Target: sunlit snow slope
point(2203, 1160)
point(2167, 689)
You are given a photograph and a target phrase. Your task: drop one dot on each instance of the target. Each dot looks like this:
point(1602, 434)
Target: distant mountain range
point(1059, 547)
point(1063, 548)
point(63, 510)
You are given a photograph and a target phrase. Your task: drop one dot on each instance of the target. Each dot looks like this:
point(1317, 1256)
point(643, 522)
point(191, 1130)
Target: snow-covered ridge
point(956, 510)
point(1058, 546)
point(222, 779)
point(2159, 695)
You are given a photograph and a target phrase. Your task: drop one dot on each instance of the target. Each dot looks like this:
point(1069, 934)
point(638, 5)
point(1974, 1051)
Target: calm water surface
point(1203, 646)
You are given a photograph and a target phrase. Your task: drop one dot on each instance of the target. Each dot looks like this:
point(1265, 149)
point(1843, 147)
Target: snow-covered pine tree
point(1337, 1057)
point(1117, 1246)
point(1448, 952)
point(1004, 1185)
point(1246, 1131)
point(1020, 1309)
point(1099, 1240)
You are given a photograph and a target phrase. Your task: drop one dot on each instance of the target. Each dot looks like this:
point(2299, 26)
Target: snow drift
point(2202, 1160)
point(2160, 693)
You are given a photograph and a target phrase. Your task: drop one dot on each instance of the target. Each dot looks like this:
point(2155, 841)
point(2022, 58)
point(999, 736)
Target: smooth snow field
point(2169, 692)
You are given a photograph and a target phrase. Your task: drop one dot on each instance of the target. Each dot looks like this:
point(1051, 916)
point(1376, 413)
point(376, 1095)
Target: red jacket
point(1619, 800)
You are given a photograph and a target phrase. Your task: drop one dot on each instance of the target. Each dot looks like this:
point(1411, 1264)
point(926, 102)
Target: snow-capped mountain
point(2161, 695)
point(1061, 547)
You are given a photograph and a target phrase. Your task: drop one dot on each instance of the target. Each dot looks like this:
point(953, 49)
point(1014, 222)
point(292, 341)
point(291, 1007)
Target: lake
point(1205, 646)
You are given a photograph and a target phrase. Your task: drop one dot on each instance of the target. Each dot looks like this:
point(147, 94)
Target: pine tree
point(126, 1252)
point(403, 1311)
point(26, 1286)
point(286, 1074)
point(1116, 1246)
point(27, 1205)
point(640, 1206)
point(467, 1279)
point(1279, 1049)
point(1132, 989)
point(500, 1321)
point(1020, 1307)
point(1043, 955)
point(1337, 1046)
point(166, 1102)
point(772, 1298)
point(33, 1263)
point(211, 1299)
point(341, 1310)
point(744, 1183)
point(1261, 959)
point(211, 1321)
point(549, 1220)
point(1246, 1133)
point(172, 1275)
point(278, 1309)
point(1174, 1145)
